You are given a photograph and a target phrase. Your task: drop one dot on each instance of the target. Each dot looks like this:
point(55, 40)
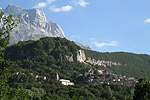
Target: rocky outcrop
point(79, 56)
point(69, 58)
point(102, 62)
point(66, 57)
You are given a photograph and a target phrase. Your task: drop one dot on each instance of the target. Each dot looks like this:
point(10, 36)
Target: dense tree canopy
point(142, 90)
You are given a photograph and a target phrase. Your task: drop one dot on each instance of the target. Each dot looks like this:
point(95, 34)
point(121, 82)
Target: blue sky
point(105, 25)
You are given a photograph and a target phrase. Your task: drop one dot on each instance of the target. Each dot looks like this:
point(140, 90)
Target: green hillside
point(135, 65)
point(42, 58)
point(47, 51)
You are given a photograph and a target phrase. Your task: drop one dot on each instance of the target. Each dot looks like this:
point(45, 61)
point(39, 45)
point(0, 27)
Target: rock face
point(79, 56)
point(66, 57)
point(102, 63)
point(33, 26)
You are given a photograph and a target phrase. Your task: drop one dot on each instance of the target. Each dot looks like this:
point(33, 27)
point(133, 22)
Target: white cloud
point(50, 1)
point(99, 45)
point(147, 20)
point(64, 8)
point(43, 4)
point(40, 5)
point(82, 3)
point(92, 39)
point(75, 36)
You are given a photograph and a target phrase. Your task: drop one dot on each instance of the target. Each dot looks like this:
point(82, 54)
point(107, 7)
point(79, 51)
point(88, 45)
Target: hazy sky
point(105, 25)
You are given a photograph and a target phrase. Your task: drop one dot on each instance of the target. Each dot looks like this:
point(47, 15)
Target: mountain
point(33, 26)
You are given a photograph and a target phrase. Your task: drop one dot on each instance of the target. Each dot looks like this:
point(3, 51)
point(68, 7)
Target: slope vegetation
point(135, 65)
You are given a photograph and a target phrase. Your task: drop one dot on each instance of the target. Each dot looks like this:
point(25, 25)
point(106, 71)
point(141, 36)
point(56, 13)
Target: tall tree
point(7, 23)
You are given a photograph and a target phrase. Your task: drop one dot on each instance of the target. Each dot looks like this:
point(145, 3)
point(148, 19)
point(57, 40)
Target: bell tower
point(57, 76)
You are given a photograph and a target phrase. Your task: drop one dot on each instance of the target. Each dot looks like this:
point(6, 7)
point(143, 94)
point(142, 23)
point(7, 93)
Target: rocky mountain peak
point(33, 26)
point(14, 10)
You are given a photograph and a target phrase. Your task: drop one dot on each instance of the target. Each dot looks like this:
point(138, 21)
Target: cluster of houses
point(107, 77)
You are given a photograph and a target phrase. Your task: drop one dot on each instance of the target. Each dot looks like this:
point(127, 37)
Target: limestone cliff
point(81, 56)
point(78, 56)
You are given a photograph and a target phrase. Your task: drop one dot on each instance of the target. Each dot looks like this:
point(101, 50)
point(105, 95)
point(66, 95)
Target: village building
point(66, 82)
point(63, 81)
point(17, 73)
point(44, 78)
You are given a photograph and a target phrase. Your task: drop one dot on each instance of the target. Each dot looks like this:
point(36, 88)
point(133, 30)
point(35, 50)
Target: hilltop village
point(107, 77)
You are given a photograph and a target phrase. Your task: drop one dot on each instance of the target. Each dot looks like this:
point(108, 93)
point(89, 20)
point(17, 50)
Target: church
point(63, 81)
